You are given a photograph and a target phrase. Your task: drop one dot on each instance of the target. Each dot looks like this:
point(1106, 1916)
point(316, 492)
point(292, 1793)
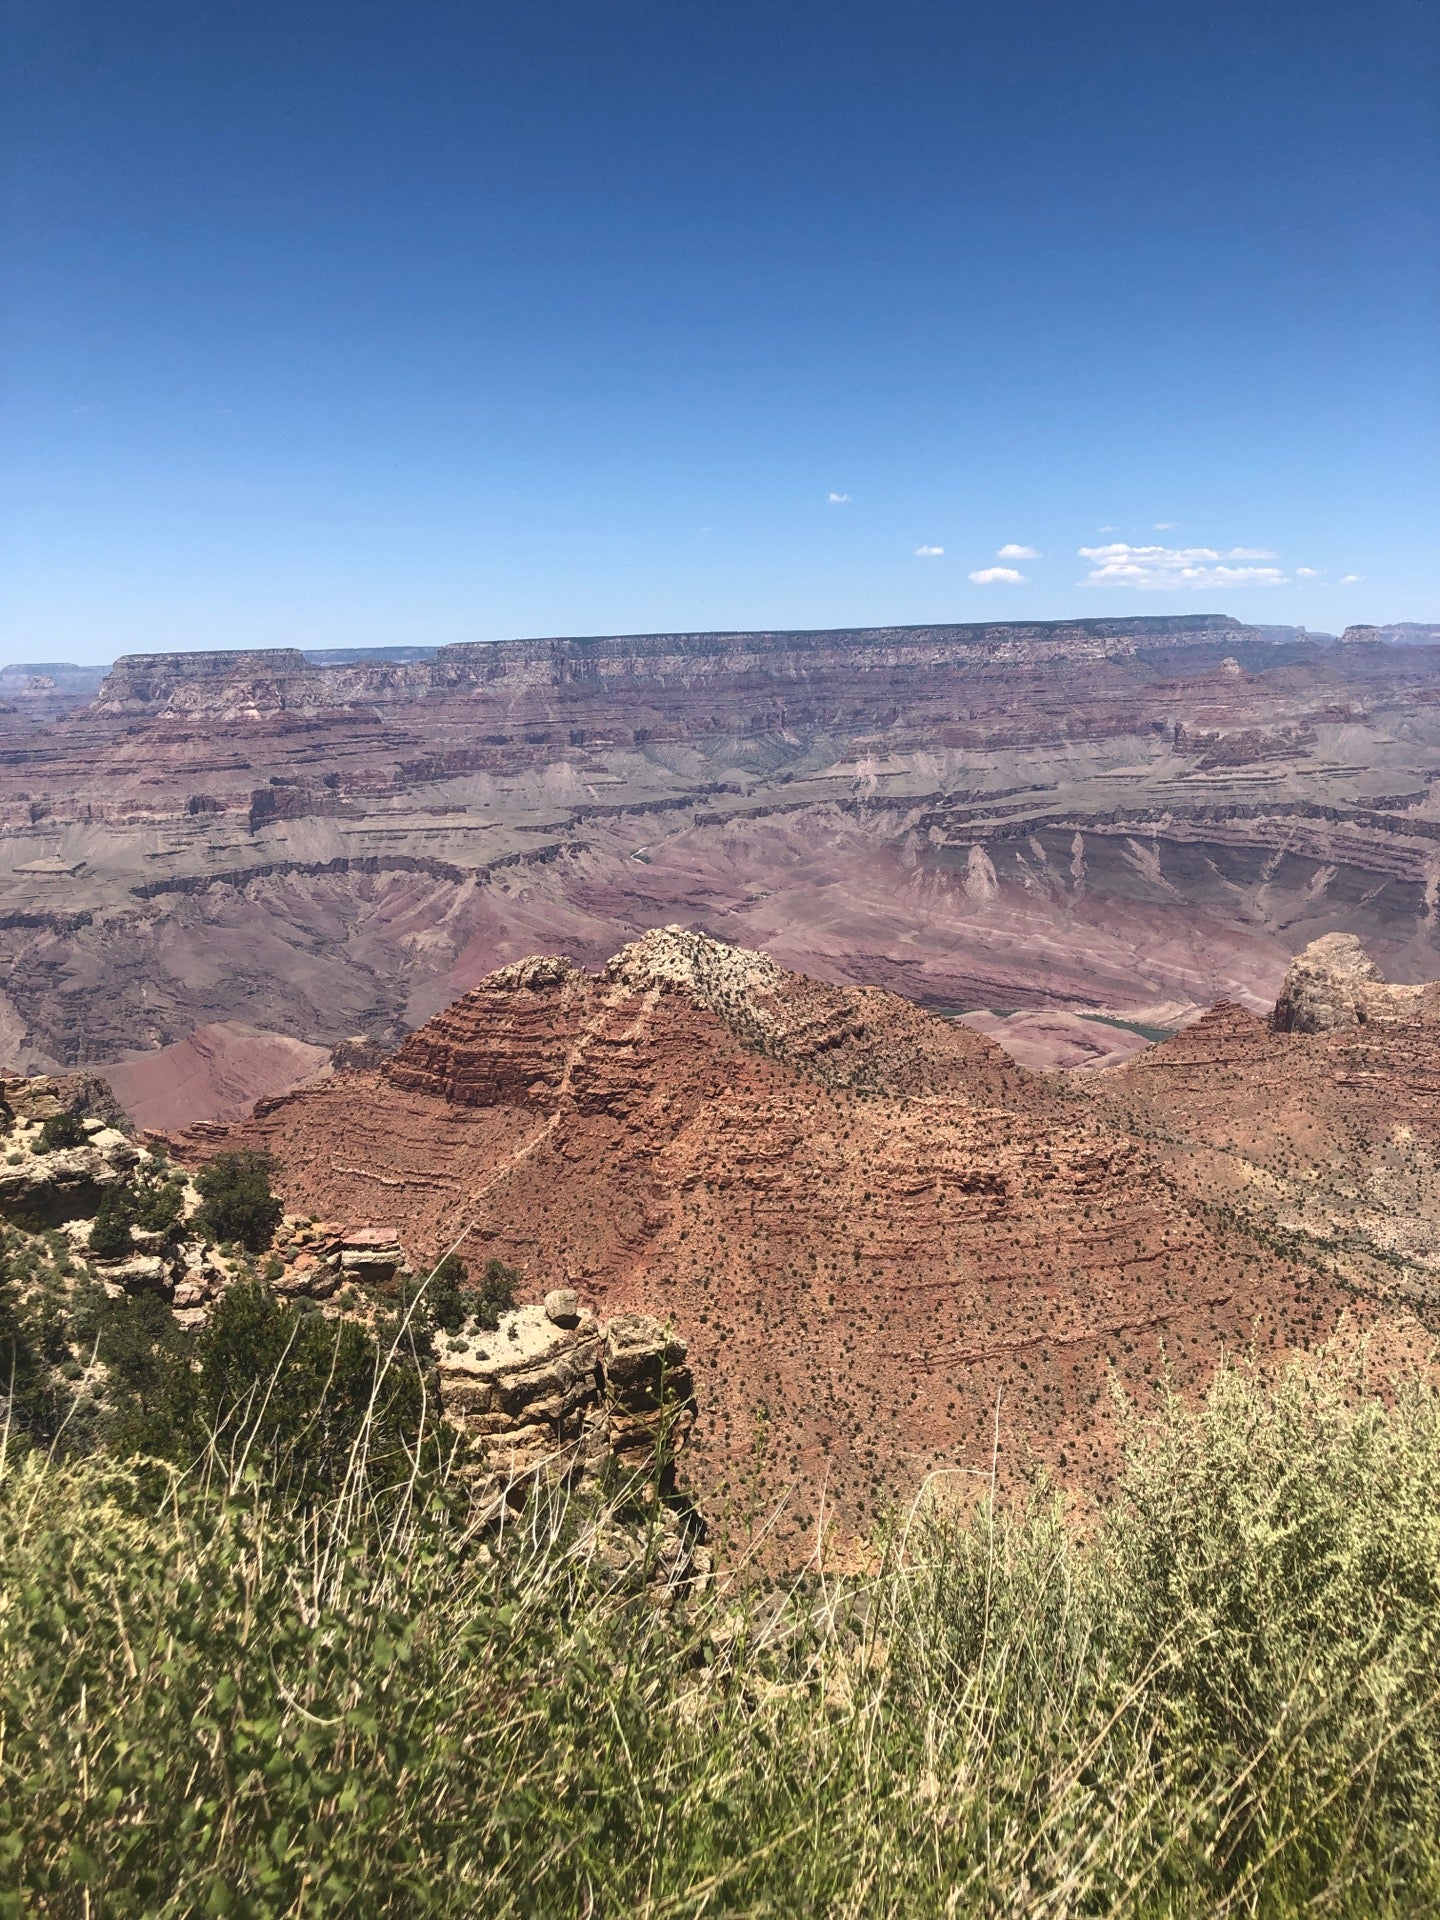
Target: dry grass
point(1219, 1700)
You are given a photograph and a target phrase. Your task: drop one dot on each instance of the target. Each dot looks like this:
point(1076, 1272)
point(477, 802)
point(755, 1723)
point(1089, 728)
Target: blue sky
point(422, 322)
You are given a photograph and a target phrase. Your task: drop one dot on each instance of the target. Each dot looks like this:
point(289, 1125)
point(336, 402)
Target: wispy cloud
point(1174, 569)
point(1011, 552)
point(928, 553)
point(1107, 529)
point(836, 499)
point(1308, 573)
point(1163, 526)
point(998, 576)
point(1351, 579)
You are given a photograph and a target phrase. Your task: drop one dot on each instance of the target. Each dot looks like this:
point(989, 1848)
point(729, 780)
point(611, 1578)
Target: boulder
point(562, 1306)
point(1334, 984)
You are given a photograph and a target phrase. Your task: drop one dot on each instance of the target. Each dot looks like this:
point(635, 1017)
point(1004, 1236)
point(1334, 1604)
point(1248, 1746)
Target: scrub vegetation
point(245, 1682)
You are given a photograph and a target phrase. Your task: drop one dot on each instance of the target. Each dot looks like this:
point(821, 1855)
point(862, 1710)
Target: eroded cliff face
point(1334, 983)
point(1129, 818)
point(280, 679)
point(868, 1223)
point(1319, 1128)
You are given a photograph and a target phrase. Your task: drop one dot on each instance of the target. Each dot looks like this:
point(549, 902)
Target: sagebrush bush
point(1220, 1697)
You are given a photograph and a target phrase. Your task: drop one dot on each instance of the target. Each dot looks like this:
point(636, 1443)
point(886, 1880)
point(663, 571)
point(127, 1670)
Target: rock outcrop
point(39, 1097)
point(1319, 1128)
point(1334, 983)
point(555, 1392)
point(44, 1183)
point(553, 1397)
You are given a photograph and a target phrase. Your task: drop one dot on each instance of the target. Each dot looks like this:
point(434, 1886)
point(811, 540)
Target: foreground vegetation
point(223, 1695)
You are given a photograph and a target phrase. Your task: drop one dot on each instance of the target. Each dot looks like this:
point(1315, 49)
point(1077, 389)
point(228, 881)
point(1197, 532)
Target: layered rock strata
point(555, 1394)
point(869, 1221)
point(1125, 818)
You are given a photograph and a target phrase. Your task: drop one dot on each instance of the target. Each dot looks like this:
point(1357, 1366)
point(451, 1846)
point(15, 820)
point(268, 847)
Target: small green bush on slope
point(60, 1131)
point(1221, 1699)
point(236, 1202)
point(285, 1396)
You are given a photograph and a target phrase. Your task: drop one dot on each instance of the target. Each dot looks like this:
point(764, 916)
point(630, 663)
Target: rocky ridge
point(869, 1222)
point(1319, 1128)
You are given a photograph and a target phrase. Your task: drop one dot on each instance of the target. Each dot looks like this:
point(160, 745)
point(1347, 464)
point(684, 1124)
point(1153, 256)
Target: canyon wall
point(1123, 820)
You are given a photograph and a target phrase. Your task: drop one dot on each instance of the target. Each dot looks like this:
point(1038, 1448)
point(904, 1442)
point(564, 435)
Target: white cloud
point(1174, 569)
point(836, 499)
point(1351, 579)
point(1011, 552)
point(1308, 573)
point(998, 576)
point(928, 553)
point(1162, 526)
point(1107, 529)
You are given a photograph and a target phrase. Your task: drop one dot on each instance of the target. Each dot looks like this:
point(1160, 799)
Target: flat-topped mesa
point(272, 679)
point(146, 682)
point(681, 659)
point(1335, 984)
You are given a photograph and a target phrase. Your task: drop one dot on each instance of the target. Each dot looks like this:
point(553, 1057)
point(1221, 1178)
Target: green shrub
point(447, 1293)
point(286, 1394)
point(59, 1131)
point(236, 1202)
point(110, 1229)
point(158, 1205)
point(495, 1294)
point(32, 1401)
point(449, 1298)
point(1218, 1698)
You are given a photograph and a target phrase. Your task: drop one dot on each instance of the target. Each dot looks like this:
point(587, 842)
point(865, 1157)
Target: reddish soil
point(217, 1073)
point(869, 1223)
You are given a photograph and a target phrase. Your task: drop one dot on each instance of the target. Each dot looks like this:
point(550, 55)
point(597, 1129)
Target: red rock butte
point(871, 1226)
